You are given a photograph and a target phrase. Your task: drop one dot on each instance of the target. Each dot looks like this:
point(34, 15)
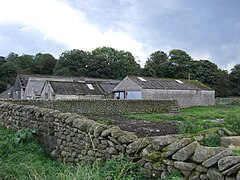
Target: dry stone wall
point(71, 138)
point(105, 106)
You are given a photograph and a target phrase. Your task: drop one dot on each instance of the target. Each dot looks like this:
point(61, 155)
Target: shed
point(72, 90)
point(186, 92)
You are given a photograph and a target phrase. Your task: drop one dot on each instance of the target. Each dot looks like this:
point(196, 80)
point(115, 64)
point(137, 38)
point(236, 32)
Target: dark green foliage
point(189, 127)
point(45, 63)
point(24, 135)
point(72, 63)
point(122, 168)
point(180, 64)
point(107, 62)
point(208, 73)
point(212, 140)
point(24, 64)
point(176, 175)
point(157, 65)
point(102, 62)
point(234, 77)
point(8, 73)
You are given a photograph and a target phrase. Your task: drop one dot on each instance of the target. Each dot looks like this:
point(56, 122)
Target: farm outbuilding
point(186, 92)
point(72, 90)
point(60, 87)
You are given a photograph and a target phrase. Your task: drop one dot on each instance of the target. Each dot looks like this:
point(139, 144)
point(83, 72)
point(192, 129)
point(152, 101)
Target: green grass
point(194, 119)
point(107, 121)
point(22, 159)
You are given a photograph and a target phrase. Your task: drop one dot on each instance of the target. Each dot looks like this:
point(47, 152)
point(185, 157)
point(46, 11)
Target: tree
point(72, 63)
point(25, 64)
point(207, 72)
point(2, 60)
point(180, 64)
point(224, 88)
point(157, 65)
point(8, 73)
point(107, 62)
point(124, 65)
point(234, 78)
point(45, 63)
point(12, 56)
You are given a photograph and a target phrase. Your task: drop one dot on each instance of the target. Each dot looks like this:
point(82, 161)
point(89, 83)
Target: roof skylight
point(142, 79)
point(179, 81)
point(90, 86)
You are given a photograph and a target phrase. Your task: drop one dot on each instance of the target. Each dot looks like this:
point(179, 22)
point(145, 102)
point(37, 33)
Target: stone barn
point(74, 90)
point(187, 92)
point(32, 87)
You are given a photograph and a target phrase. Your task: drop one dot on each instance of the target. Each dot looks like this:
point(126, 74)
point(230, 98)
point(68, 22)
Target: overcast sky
point(205, 29)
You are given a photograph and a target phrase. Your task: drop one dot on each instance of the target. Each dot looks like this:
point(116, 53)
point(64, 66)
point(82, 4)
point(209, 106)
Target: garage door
point(134, 95)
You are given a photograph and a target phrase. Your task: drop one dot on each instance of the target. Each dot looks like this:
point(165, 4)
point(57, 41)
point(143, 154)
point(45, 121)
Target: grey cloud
point(21, 39)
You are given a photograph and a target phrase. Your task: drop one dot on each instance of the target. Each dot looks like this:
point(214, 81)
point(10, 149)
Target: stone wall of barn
point(71, 138)
point(185, 98)
point(106, 106)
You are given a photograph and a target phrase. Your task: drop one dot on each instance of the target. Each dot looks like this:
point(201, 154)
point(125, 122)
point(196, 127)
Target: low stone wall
point(106, 106)
point(233, 100)
point(71, 138)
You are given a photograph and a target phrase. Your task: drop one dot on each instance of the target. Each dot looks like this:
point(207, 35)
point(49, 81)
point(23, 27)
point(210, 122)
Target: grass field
point(199, 118)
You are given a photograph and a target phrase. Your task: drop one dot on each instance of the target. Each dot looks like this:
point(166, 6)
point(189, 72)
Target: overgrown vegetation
point(195, 119)
point(176, 175)
point(21, 157)
point(107, 121)
point(212, 140)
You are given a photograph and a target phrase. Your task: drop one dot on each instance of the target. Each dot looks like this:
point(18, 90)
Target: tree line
point(107, 62)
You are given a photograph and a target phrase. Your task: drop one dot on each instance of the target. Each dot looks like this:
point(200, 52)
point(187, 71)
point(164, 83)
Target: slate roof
point(168, 84)
point(7, 94)
point(35, 83)
point(108, 87)
point(35, 86)
point(75, 88)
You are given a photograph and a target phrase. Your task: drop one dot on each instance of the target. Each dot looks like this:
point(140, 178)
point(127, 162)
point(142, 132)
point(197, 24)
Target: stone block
point(203, 153)
point(232, 142)
point(186, 152)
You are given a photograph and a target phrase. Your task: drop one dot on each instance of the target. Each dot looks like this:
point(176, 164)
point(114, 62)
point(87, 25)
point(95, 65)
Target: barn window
point(142, 79)
point(90, 86)
point(119, 95)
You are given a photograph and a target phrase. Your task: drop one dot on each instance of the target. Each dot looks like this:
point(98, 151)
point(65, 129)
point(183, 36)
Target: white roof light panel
point(142, 79)
point(179, 81)
point(90, 86)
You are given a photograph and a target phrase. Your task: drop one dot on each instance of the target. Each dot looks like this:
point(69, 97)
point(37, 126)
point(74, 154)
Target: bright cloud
point(62, 23)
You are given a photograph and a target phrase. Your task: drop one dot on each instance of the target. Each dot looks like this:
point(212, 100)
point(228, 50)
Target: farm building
point(32, 87)
point(7, 94)
point(72, 90)
point(187, 93)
